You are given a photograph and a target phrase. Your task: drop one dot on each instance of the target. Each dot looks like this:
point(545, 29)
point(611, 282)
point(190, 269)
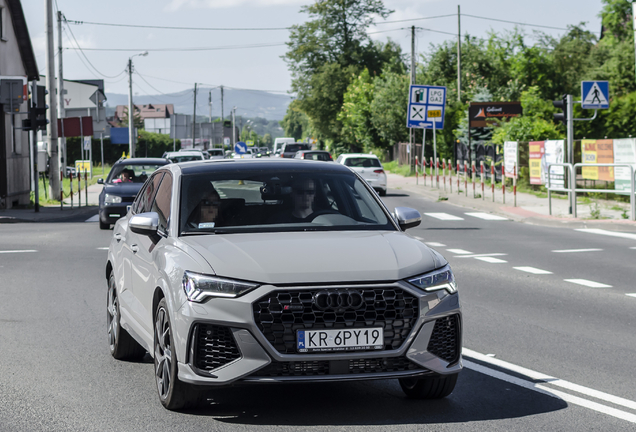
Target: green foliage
point(295, 123)
point(358, 133)
point(388, 109)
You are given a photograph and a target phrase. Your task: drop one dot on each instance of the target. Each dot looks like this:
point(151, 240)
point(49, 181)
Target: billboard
point(485, 114)
point(536, 150)
point(511, 158)
point(597, 151)
point(624, 153)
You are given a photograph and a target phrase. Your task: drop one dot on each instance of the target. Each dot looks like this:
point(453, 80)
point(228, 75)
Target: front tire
point(122, 345)
point(429, 388)
point(173, 393)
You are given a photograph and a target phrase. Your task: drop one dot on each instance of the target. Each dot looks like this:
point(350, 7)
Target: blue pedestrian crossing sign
point(426, 107)
point(240, 148)
point(594, 94)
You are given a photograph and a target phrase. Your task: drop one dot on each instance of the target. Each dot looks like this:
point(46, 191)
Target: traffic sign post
point(426, 111)
point(594, 94)
point(240, 148)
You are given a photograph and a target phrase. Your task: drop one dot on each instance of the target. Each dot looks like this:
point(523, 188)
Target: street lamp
point(131, 114)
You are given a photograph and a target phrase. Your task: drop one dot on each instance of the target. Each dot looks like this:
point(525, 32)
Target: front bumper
point(110, 213)
point(248, 356)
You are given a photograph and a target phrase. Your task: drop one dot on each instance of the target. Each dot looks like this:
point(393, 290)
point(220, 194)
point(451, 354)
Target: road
point(541, 351)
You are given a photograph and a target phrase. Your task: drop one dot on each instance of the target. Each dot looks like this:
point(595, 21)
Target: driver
point(303, 193)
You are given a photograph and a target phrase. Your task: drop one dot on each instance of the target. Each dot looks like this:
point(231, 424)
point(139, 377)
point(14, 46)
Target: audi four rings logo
point(347, 299)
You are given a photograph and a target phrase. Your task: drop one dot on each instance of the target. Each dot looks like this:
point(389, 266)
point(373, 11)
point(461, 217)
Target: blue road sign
point(594, 94)
point(240, 148)
point(426, 107)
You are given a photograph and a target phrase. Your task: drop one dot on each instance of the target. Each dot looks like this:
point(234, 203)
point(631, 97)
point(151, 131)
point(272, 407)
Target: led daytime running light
point(199, 287)
point(437, 280)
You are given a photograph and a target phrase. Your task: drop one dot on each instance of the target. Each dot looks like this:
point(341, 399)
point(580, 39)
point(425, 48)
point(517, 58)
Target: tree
point(358, 133)
point(295, 123)
point(388, 109)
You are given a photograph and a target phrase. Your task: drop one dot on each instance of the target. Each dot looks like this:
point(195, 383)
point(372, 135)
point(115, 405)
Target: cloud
point(225, 4)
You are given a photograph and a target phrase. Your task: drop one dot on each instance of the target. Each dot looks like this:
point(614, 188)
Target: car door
point(146, 258)
point(137, 243)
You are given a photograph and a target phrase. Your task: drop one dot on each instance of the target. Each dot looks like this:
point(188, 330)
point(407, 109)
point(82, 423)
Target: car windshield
point(215, 152)
point(317, 156)
point(269, 200)
point(131, 173)
point(363, 162)
point(295, 147)
point(185, 158)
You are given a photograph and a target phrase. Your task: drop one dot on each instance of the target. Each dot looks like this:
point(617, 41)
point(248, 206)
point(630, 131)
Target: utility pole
point(131, 113)
point(210, 104)
point(60, 92)
point(34, 149)
point(222, 115)
point(194, 117)
point(411, 141)
point(233, 126)
point(54, 162)
point(459, 55)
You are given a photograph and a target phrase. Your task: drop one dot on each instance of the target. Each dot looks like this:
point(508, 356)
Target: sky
point(252, 59)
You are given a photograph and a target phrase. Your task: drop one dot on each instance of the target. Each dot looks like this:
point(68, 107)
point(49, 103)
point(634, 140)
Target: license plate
point(360, 339)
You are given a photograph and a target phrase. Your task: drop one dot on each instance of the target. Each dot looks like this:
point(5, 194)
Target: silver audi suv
point(276, 270)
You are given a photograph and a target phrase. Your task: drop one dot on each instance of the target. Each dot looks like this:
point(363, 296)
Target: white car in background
point(369, 167)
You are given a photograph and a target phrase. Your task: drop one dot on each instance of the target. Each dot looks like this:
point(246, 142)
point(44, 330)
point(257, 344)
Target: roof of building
point(24, 40)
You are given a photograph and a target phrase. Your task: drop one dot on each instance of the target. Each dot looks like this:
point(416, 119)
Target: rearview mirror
point(144, 223)
point(407, 217)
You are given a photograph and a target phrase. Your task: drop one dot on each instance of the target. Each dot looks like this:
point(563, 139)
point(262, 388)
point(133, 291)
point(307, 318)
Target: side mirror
point(144, 223)
point(100, 181)
point(407, 217)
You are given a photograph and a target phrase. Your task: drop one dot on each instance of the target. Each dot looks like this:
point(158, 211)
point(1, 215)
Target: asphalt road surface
point(549, 338)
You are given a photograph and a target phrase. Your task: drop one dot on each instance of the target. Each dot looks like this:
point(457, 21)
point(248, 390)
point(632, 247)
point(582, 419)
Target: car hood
point(123, 189)
point(316, 257)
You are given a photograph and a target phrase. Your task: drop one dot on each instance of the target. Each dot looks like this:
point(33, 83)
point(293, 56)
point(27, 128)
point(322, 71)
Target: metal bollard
point(503, 182)
point(472, 176)
point(437, 173)
point(457, 172)
point(61, 190)
point(492, 180)
point(86, 186)
point(432, 172)
point(444, 173)
point(466, 178)
point(424, 170)
point(416, 166)
point(79, 189)
point(514, 183)
point(481, 165)
point(70, 177)
point(450, 176)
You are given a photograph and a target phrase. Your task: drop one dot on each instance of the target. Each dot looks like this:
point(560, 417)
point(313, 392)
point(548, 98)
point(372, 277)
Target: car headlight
point(112, 199)
point(198, 287)
point(441, 279)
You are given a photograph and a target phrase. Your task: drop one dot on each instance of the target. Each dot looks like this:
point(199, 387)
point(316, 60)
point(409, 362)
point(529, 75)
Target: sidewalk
point(530, 208)
point(54, 213)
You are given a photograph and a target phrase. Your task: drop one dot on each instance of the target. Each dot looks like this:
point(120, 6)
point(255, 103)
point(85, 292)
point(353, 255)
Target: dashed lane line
point(577, 250)
point(607, 233)
point(435, 244)
point(93, 218)
point(491, 260)
point(532, 270)
point(588, 283)
point(102, 248)
point(482, 255)
point(459, 251)
point(487, 216)
point(631, 294)
point(17, 251)
point(543, 383)
point(443, 216)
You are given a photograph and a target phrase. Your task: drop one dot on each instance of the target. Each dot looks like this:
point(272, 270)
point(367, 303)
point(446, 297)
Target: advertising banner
point(536, 150)
point(553, 153)
point(485, 114)
point(624, 152)
point(597, 151)
point(511, 158)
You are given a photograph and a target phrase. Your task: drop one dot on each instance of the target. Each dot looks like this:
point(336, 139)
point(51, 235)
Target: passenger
point(125, 177)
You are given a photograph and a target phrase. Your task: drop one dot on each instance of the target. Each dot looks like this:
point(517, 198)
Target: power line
point(416, 19)
point(513, 22)
point(227, 47)
point(153, 87)
point(180, 28)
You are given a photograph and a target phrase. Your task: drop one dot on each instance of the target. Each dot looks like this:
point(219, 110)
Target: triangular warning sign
point(595, 96)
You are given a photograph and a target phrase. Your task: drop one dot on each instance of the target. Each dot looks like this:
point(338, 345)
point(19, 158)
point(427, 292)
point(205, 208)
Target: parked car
point(321, 155)
point(369, 167)
point(216, 153)
point(289, 149)
point(125, 179)
point(278, 143)
point(270, 270)
point(205, 153)
point(184, 156)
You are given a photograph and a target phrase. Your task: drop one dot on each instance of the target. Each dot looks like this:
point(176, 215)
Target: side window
point(143, 202)
point(162, 202)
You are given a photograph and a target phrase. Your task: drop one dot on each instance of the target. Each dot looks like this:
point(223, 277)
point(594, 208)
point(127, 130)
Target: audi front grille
point(281, 313)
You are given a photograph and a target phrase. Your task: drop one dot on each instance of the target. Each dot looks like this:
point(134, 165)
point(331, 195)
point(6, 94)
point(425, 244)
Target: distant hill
point(249, 103)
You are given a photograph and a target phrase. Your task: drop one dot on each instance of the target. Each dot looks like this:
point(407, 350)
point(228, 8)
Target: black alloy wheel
point(122, 345)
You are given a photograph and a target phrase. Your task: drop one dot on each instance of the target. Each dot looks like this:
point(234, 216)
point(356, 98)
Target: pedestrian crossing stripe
point(486, 216)
point(443, 216)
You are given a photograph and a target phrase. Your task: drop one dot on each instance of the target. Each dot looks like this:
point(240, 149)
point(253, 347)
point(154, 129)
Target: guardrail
point(573, 189)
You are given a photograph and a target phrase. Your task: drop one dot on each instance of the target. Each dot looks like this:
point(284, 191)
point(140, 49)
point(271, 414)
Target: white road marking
point(443, 216)
point(18, 251)
point(490, 260)
point(538, 376)
point(633, 247)
point(93, 219)
point(576, 250)
point(435, 244)
point(532, 270)
point(459, 251)
point(588, 283)
point(102, 248)
point(607, 233)
point(486, 216)
point(483, 255)
point(631, 294)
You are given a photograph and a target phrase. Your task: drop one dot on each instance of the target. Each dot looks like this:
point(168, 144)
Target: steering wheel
point(317, 213)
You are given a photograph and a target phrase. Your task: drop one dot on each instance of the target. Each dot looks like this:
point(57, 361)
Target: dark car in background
point(289, 150)
point(319, 155)
point(122, 185)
